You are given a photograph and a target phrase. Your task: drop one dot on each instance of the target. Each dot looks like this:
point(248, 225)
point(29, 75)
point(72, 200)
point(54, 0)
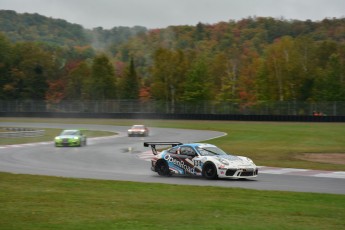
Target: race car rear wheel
point(209, 171)
point(162, 168)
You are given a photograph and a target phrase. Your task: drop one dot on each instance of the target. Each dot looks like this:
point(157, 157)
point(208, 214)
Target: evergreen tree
point(102, 79)
point(129, 85)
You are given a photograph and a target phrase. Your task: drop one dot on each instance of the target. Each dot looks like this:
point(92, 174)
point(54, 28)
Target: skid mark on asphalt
point(147, 156)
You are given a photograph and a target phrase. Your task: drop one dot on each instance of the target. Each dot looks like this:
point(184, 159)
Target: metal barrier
point(165, 116)
point(21, 132)
point(331, 108)
point(203, 110)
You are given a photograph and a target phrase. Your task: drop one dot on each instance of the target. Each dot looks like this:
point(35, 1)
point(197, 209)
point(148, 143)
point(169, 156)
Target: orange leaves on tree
point(55, 91)
point(144, 94)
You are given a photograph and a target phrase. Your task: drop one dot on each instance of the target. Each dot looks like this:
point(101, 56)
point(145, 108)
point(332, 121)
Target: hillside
point(34, 27)
point(241, 62)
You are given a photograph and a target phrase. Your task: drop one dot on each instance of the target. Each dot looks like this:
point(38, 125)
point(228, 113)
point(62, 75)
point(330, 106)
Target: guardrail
point(21, 132)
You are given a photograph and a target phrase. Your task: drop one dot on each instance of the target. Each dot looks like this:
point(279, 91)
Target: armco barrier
point(21, 132)
point(227, 117)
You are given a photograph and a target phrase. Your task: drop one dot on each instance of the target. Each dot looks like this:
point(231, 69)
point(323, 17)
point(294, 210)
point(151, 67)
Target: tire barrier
point(20, 132)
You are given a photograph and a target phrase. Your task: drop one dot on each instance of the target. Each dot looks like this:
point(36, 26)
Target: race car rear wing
point(153, 145)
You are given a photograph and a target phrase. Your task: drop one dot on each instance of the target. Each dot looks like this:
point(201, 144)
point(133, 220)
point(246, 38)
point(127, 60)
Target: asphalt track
point(126, 159)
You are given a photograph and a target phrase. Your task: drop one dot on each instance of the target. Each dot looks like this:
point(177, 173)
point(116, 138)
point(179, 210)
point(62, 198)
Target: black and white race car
point(200, 159)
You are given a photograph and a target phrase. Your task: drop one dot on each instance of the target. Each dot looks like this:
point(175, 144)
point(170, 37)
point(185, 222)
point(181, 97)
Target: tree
point(168, 74)
point(283, 69)
point(247, 82)
point(230, 75)
point(102, 83)
point(307, 68)
point(129, 84)
point(56, 91)
point(197, 84)
point(330, 86)
point(79, 82)
point(30, 71)
point(5, 59)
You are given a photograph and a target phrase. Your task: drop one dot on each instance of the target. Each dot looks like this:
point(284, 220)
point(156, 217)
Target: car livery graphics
point(181, 164)
point(71, 137)
point(199, 159)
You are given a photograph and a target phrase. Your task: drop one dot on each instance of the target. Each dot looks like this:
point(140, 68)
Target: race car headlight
point(75, 138)
point(225, 162)
point(57, 138)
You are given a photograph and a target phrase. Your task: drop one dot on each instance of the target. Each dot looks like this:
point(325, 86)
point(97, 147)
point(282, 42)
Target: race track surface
point(125, 158)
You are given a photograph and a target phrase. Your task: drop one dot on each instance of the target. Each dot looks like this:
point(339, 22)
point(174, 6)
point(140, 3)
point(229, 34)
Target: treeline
point(57, 32)
point(254, 59)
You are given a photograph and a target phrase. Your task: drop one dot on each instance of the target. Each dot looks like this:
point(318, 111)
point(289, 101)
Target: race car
point(70, 137)
point(200, 159)
point(138, 130)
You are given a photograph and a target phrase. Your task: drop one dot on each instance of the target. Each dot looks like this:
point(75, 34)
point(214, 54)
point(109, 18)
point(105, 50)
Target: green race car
point(70, 137)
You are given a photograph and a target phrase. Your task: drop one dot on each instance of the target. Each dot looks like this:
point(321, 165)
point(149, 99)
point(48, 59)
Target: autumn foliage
point(246, 61)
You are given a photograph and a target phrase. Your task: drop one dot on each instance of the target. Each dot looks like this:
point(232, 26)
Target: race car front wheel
point(162, 168)
point(209, 171)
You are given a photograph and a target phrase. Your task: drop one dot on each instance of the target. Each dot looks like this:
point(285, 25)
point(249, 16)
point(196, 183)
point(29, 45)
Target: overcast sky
point(162, 13)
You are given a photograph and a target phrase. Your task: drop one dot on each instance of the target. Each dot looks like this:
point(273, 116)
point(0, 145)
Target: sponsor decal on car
point(180, 164)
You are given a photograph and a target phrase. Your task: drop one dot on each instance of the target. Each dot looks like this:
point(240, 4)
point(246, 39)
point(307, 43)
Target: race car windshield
point(69, 132)
point(210, 151)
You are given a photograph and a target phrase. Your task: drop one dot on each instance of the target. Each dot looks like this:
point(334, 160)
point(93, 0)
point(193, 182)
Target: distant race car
point(138, 130)
point(70, 137)
point(199, 159)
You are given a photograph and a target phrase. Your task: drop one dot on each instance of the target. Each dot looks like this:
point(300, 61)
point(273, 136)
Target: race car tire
point(162, 168)
point(209, 171)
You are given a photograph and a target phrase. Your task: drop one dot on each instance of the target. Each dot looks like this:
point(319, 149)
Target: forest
point(246, 61)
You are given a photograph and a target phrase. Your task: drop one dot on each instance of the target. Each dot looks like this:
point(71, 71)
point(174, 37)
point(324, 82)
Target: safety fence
point(281, 108)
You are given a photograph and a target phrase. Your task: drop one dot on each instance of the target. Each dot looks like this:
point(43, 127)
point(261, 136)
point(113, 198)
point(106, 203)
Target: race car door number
point(197, 163)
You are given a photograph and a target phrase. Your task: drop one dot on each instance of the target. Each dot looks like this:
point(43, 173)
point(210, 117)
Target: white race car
point(199, 159)
point(138, 130)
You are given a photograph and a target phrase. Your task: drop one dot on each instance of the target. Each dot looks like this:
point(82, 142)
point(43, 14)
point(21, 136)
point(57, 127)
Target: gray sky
point(162, 13)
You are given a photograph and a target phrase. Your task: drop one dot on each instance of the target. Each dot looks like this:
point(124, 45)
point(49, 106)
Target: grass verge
point(40, 202)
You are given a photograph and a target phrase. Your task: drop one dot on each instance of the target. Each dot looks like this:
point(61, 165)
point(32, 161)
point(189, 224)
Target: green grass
point(42, 202)
point(39, 202)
